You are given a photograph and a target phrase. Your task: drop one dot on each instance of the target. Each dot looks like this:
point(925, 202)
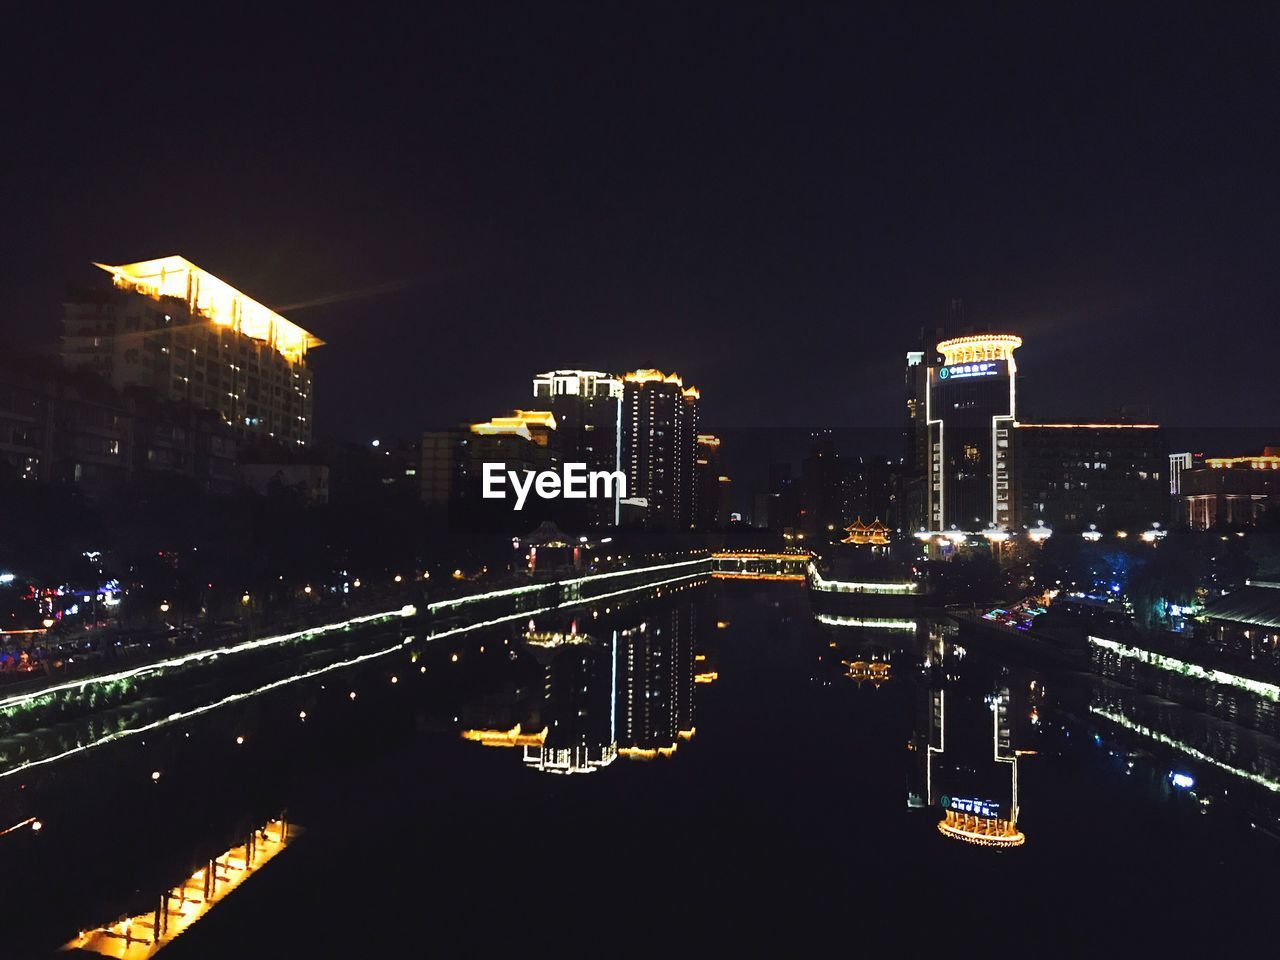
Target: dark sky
point(770, 200)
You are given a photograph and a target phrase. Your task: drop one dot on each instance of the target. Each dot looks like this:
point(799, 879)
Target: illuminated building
point(914, 479)
point(587, 406)
point(711, 484)
point(452, 461)
point(188, 337)
point(1177, 463)
point(873, 534)
point(1229, 492)
point(970, 406)
point(659, 441)
point(1069, 475)
point(973, 469)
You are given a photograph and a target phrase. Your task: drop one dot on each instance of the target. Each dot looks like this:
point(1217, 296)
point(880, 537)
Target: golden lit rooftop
point(516, 425)
point(214, 299)
point(649, 375)
point(1088, 426)
point(1264, 462)
point(986, 346)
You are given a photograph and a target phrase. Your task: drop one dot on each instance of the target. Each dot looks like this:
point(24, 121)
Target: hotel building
point(978, 470)
point(970, 408)
point(188, 337)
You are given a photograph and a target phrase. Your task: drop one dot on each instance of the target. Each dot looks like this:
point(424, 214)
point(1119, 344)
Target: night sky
point(770, 200)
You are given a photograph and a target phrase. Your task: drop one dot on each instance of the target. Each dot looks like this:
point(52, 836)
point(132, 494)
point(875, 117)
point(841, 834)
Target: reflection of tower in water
point(966, 756)
point(597, 699)
point(577, 707)
point(655, 685)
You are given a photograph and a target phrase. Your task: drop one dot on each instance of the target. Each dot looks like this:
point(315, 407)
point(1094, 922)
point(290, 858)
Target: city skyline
point(1079, 184)
point(517, 478)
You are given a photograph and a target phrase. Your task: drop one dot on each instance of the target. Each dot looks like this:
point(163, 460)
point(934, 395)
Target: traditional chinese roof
point(1257, 604)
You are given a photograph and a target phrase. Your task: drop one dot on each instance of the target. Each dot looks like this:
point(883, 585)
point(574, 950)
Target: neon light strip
point(577, 582)
point(1173, 665)
point(196, 656)
point(197, 711)
point(875, 623)
point(1123, 721)
point(848, 586)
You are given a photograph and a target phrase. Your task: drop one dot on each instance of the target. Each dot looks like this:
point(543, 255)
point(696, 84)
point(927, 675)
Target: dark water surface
point(798, 811)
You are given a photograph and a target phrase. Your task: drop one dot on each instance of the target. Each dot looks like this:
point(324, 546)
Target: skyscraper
point(188, 337)
point(969, 411)
point(587, 406)
point(711, 484)
point(659, 441)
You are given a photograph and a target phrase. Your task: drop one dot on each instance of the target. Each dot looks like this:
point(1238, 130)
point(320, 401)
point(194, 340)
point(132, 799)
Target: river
point(710, 770)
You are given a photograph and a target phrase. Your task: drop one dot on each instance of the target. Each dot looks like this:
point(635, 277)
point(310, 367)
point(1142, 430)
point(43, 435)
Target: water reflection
point(970, 735)
point(587, 699)
point(750, 666)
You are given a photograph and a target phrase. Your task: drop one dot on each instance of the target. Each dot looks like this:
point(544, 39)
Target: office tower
point(914, 478)
point(587, 406)
point(186, 336)
point(969, 411)
point(659, 440)
point(711, 483)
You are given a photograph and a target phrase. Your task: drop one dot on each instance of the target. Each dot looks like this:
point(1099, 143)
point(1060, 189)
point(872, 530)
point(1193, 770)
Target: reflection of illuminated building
point(577, 707)
point(656, 680)
point(631, 697)
point(874, 671)
point(964, 743)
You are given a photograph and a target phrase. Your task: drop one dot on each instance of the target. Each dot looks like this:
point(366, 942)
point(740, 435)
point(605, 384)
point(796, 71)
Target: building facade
point(711, 484)
point(971, 404)
point(1229, 492)
point(188, 337)
point(659, 444)
point(71, 427)
point(587, 406)
point(453, 461)
point(1073, 475)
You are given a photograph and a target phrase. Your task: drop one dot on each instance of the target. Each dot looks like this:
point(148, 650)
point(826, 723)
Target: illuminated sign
point(979, 808)
point(970, 371)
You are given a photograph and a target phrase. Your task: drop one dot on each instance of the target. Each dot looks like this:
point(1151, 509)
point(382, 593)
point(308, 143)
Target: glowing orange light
point(214, 299)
